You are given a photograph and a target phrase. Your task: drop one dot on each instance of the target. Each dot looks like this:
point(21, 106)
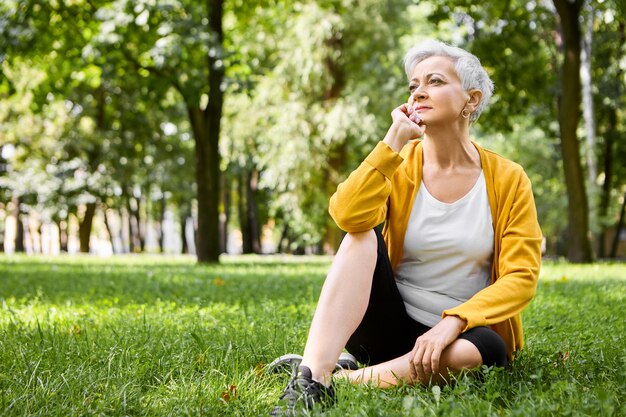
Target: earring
point(466, 113)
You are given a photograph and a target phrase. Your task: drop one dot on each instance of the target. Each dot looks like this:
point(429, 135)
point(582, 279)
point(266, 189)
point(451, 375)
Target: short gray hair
point(467, 66)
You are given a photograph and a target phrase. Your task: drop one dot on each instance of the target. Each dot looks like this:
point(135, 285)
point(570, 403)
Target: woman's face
point(436, 92)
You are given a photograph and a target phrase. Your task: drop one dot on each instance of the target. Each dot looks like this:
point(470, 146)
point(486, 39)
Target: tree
point(115, 118)
point(315, 112)
point(569, 115)
point(609, 42)
point(179, 44)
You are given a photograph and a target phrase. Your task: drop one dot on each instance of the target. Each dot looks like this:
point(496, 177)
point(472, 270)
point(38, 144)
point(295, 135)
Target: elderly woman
point(441, 289)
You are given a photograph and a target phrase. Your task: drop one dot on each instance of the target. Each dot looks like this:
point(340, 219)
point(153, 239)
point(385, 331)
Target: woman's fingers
point(435, 358)
point(411, 113)
point(416, 363)
point(425, 359)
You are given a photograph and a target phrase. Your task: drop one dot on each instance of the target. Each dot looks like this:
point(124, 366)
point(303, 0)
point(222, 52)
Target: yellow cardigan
point(383, 188)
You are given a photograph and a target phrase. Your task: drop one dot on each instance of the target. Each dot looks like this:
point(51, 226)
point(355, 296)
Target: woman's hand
point(426, 355)
point(406, 125)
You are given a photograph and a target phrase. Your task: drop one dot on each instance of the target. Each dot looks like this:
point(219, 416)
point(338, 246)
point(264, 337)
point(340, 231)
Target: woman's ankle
point(320, 373)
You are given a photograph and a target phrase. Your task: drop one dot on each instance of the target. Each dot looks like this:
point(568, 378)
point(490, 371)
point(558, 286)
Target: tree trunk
point(605, 196)
point(63, 238)
point(185, 213)
point(248, 212)
point(579, 249)
point(252, 186)
point(588, 112)
point(133, 226)
point(246, 241)
point(162, 209)
point(183, 234)
point(225, 219)
point(590, 122)
point(141, 226)
point(207, 171)
point(84, 227)
point(618, 229)
point(611, 136)
point(206, 128)
point(284, 236)
point(107, 225)
point(139, 222)
point(2, 234)
point(19, 226)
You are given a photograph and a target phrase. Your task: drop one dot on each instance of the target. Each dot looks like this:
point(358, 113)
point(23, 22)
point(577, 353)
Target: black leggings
point(387, 332)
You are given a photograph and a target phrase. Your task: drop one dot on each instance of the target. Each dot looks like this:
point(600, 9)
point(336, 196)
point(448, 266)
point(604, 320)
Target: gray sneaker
point(303, 393)
point(289, 363)
point(346, 361)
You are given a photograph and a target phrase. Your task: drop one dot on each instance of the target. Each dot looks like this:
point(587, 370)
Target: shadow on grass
point(145, 282)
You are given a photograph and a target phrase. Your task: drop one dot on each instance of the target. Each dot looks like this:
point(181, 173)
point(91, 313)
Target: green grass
point(150, 336)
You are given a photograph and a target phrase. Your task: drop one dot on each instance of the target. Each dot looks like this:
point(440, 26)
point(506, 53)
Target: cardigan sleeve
point(517, 258)
point(360, 202)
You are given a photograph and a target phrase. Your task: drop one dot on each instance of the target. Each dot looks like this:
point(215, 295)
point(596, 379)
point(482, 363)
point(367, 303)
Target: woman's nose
point(419, 94)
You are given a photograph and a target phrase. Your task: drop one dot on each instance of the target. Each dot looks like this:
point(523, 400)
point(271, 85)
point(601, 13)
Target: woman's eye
point(412, 88)
point(435, 81)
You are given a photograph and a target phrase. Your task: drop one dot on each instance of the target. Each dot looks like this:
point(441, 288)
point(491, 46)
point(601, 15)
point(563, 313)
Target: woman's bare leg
point(460, 355)
point(342, 304)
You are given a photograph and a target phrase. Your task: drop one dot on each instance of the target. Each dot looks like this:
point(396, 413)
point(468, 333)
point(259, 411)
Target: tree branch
point(156, 71)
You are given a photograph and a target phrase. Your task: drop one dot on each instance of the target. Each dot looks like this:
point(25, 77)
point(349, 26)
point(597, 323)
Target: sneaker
point(289, 363)
point(346, 361)
point(303, 393)
point(285, 364)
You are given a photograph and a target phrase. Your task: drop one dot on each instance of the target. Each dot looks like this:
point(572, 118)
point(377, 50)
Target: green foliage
point(302, 111)
point(163, 336)
point(95, 97)
point(527, 145)
point(85, 128)
point(514, 41)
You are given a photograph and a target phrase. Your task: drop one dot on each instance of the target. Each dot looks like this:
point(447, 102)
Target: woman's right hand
point(406, 125)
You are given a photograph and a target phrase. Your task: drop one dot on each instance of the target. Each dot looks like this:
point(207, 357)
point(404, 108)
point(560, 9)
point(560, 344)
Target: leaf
point(75, 329)
point(229, 394)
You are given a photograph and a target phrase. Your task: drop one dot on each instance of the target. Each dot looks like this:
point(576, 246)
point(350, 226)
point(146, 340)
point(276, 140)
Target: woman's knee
point(461, 354)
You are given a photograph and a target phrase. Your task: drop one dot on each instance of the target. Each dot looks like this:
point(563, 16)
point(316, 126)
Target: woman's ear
point(475, 97)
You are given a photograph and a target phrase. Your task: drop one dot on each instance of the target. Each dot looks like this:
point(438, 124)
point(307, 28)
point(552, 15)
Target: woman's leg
point(460, 355)
point(477, 346)
point(360, 308)
point(342, 304)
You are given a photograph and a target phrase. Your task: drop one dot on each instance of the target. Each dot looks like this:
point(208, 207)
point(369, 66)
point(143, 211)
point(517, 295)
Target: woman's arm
point(360, 202)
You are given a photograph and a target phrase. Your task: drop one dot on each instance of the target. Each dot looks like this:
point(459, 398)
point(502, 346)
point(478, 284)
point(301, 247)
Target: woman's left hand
point(426, 354)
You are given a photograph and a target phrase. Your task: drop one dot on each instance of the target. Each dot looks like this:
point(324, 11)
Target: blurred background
point(178, 126)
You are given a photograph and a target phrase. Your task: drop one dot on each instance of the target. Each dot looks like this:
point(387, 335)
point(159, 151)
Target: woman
point(441, 289)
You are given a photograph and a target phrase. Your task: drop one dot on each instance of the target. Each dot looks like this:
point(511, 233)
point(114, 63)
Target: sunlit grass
point(153, 336)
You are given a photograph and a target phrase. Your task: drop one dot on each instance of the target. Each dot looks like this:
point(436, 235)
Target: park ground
point(164, 336)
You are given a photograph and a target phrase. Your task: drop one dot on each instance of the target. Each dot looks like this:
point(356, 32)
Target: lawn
point(155, 336)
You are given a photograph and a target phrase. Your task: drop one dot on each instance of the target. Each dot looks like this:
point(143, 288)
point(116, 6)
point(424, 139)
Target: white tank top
point(448, 250)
